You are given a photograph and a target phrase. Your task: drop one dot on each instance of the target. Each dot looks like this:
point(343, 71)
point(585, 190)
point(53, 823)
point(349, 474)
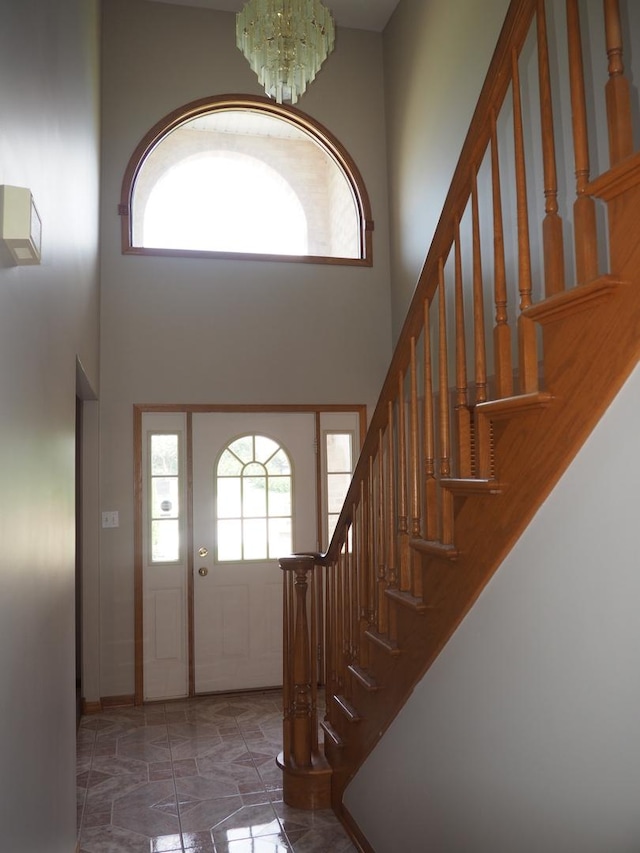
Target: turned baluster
point(414, 468)
point(527, 348)
point(381, 527)
point(501, 331)
point(478, 298)
point(368, 561)
point(553, 245)
point(617, 88)
point(446, 535)
point(462, 413)
point(429, 452)
point(403, 513)
point(584, 209)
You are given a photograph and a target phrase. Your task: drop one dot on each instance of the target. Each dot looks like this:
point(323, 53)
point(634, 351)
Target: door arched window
point(245, 177)
point(253, 500)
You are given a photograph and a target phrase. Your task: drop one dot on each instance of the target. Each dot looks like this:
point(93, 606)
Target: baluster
point(382, 578)
point(501, 331)
point(287, 675)
point(527, 349)
point(356, 531)
point(431, 486)
point(617, 88)
point(368, 561)
point(403, 513)
point(584, 209)
point(478, 299)
point(390, 502)
point(445, 449)
point(462, 413)
point(414, 470)
point(552, 240)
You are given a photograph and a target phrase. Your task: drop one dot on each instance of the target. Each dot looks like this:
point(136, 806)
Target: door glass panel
point(253, 489)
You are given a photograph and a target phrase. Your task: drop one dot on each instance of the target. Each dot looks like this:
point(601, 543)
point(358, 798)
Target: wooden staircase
point(454, 468)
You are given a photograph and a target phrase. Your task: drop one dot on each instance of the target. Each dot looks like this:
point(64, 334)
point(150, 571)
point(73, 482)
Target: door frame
point(189, 410)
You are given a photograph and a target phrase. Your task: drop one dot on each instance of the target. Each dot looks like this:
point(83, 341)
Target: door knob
point(203, 571)
point(202, 552)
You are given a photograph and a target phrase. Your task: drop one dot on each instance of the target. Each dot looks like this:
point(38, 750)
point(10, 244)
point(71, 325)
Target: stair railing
point(431, 438)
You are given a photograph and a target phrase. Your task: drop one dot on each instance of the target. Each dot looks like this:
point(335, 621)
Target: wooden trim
point(91, 707)
point(125, 701)
point(294, 408)
point(138, 593)
point(293, 116)
point(190, 561)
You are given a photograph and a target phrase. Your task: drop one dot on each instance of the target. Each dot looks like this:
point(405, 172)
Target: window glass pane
point(165, 541)
point(243, 448)
point(229, 498)
point(165, 497)
point(279, 496)
point(254, 469)
point(164, 454)
point(332, 520)
point(279, 463)
point(265, 448)
point(339, 452)
point(229, 465)
point(230, 540)
point(254, 538)
point(254, 496)
point(337, 487)
point(279, 537)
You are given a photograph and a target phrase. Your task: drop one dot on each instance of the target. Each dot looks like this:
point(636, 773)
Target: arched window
point(229, 177)
point(254, 504)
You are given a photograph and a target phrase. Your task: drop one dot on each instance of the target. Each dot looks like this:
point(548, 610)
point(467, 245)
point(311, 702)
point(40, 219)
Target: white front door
point(254, 500)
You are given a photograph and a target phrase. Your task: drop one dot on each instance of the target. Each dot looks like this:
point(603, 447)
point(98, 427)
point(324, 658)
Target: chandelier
point(285, 42)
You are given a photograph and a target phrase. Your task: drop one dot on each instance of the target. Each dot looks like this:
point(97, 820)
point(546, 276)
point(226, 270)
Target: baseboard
point(354, 831)
point(106, 702)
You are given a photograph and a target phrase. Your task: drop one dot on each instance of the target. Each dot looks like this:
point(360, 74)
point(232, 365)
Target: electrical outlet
point(110, 519)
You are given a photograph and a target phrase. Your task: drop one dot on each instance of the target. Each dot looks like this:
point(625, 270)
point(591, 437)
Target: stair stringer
point(588, 355)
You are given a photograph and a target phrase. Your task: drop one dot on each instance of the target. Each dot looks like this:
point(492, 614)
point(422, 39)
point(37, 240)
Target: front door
point(254, 500)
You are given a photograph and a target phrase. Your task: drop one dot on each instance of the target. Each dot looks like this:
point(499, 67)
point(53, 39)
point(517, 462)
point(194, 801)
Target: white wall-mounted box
point(20, 224)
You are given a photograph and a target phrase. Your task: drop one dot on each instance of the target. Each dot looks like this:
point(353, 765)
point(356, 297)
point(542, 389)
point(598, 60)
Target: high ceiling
point(359, 14)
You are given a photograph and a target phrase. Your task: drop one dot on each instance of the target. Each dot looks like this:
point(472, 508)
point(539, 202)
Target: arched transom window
point(254, 484)
point(245, 177)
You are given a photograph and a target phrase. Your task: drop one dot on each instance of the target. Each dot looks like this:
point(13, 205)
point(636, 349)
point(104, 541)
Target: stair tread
point(383, 641)
point(406, 599)
point(576, 299)
point(363, 677)
point(472, 486)
point(519, 404)
point(435, 548)
point(616, 180)
point(349, 711)
point(332, 734)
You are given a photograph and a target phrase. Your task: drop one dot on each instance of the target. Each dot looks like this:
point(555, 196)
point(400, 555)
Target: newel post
point(305, 772)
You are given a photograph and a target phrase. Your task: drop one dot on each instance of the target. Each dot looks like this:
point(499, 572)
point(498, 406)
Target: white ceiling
point(359, 14)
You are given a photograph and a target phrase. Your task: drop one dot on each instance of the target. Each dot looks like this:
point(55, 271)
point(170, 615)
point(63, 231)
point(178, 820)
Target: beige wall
point(48, 317)
point(436, 55)
point(176, 330)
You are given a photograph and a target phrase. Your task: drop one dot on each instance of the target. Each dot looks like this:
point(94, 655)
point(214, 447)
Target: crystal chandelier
point(285, 42)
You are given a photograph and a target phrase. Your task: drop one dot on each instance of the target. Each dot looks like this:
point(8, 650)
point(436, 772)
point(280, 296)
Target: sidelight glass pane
point(165, 497)
point(165, 541)
point(339, 452)
point(337, 488)
point(164, 454)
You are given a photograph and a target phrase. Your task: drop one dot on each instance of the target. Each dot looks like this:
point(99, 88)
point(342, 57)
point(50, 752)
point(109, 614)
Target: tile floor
point(196, 776)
